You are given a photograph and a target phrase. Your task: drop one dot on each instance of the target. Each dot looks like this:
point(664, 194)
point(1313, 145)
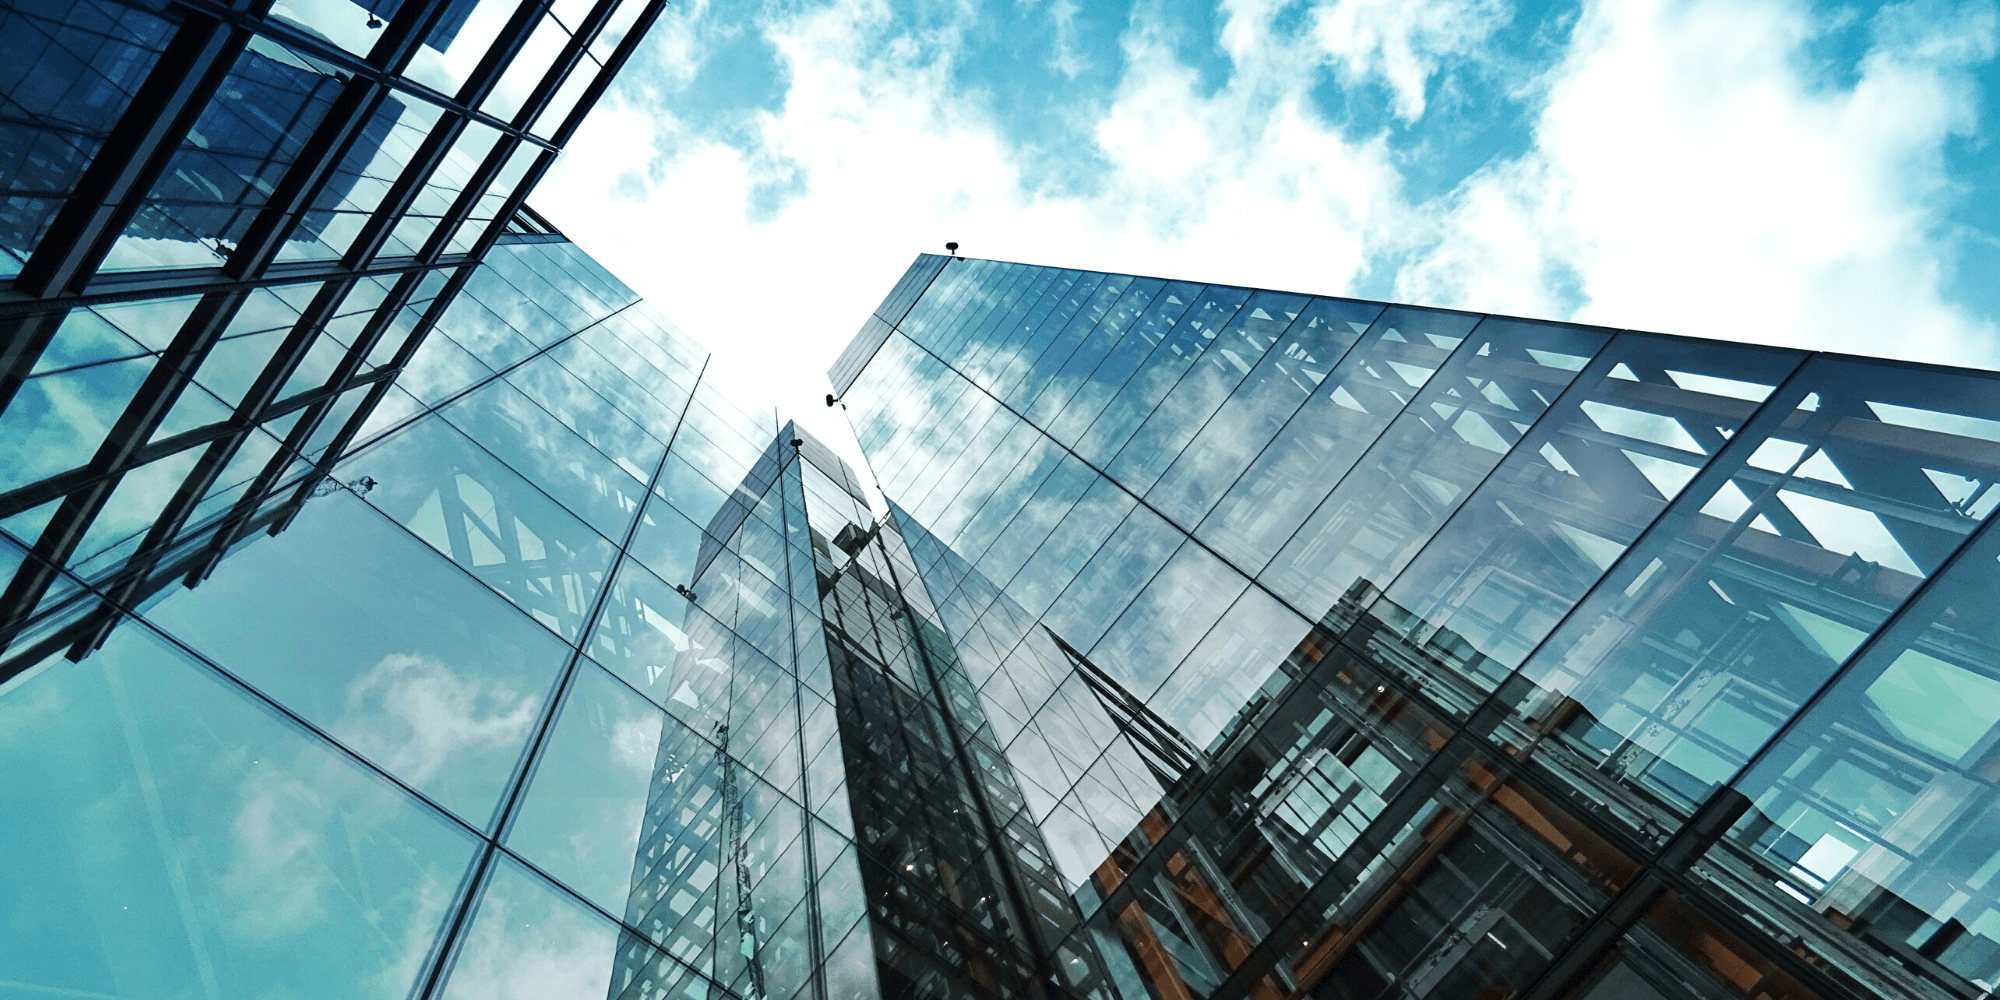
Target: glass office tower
point(1364, 651)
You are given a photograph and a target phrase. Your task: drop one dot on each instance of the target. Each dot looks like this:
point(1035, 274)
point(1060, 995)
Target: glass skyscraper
point(391, 606)
point(1358, 650)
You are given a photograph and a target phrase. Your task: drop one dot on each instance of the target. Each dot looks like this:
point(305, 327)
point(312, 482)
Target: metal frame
point(61, 276)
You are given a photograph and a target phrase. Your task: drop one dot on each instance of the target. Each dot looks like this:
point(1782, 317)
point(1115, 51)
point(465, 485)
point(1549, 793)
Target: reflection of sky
point(365, 632)
point(154, 812)
point(1820, 180)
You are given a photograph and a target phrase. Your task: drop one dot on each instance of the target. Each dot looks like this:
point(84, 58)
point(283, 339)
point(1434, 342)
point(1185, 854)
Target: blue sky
point(1815, 175)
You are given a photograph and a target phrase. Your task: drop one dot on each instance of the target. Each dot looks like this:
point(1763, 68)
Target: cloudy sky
point(1816, 175)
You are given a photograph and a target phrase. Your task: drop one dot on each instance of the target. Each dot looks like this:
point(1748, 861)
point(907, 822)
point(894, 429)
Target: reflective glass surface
point(1338, 649)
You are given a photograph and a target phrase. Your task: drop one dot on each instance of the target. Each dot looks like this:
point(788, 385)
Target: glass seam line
point(503, 814)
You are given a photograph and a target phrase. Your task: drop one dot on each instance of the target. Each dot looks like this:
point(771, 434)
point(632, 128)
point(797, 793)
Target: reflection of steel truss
point(125, 177)
point(736, 834)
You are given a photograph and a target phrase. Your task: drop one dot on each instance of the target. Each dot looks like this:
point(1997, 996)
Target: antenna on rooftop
point(953, 247)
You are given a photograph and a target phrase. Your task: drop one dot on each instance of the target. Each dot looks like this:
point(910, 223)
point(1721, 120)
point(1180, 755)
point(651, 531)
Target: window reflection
point(1876, 809)
point(154, 805)
point(1809, 529)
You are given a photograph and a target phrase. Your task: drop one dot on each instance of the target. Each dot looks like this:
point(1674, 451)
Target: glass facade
point(228, 236)
point(1362, 651)
point(391, 606)
point(525, 694)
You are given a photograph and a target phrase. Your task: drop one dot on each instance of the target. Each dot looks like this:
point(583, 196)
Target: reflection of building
point(1368, 651)
point(393, 606)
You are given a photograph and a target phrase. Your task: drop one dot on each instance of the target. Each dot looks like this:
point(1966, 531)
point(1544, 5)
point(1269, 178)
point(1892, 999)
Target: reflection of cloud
point(529, 945)
point(421, 714)
point(272, 849)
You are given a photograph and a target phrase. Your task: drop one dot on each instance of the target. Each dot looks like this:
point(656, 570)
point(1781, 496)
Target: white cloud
point(890, 160)
point(1688, 175)
point(1404, 42)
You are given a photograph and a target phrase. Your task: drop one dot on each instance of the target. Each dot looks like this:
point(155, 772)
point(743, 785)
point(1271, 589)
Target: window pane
point(1443, 445)
point(170, 836)
point(1763, 576)
point(364, 632)
point(480, 514)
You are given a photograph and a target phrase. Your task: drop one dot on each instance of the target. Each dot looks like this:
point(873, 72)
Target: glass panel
point(590, 415)
point(539, 447)
point(1421, 469)
point(387, 144)
point(57, 422)
point(1167, 618)
point(454, 170)
point(1092, 346)
point(69, 70)
point(153, 810)
point(1877, 809)
point(1352, 406)
point(237, 152)
point(669, 544)
point(477, 512)
point(368, 635)
point(128, 514)
point(85, 338)
point(1237, 658)
point(1171, 349)
point(581, 819)
point(1286, 378)
point(1113, 577)
point(1215, 367)
point(1062, 556)
point(152, 322)
point(526, 69)
point(454, 48)
point(1570, 498)
point(529, 938)
point(1766, 573)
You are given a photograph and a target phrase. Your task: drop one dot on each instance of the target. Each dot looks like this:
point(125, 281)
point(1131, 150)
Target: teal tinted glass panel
point(1216, 363)
point(483, 516)
point(586, 800)
point(1288, 376)
point(540, 448)
point(1449, 438)
point(1635, 428)
point(172, 836)
point(1877, 809)
point(1765, 574)
point(364, 632)
point(529, 937)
